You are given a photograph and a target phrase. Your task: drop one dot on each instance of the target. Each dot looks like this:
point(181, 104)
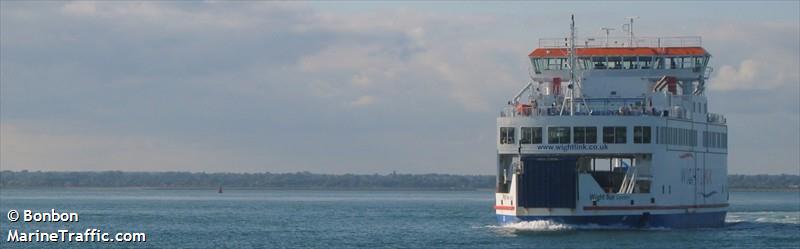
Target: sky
point(344, 87)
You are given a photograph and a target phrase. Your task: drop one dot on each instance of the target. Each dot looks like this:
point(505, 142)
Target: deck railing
point(514, 111)
point(607, 107)
point(674, 112)
point(618, 41)
point(716, 118)
point(677, 113)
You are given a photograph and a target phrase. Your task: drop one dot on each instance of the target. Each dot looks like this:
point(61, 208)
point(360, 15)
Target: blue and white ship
point(614, 131)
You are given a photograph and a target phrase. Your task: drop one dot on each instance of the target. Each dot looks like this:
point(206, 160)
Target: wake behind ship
point(614, 131)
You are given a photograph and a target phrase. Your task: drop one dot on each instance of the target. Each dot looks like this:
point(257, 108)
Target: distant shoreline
point(311, 181)
point(339, 189)
point(248, 189)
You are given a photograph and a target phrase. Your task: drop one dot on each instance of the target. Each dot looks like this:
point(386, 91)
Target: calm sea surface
point(368, 219)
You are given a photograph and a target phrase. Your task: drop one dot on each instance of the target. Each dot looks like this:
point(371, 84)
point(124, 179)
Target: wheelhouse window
point(584, 63)
point(659, 62)
point(701, 62)
point(558, 135)
point(641, 134)
point(672, 62)
point(531, 135)
point(599, 62)
point(645, 62)
point(689, 62)
point(507, 135)
point(538, 65)
point(614, 62)
point(615, 135)
point(695, 63)
point(585, 135)
point(555, 63)
point(629, 62)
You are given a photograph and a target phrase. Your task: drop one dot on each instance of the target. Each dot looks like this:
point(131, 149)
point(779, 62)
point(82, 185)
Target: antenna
point(608, 32)
point(630, 28)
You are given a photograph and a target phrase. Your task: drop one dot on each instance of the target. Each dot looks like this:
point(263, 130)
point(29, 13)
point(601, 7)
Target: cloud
point(757, 74)
point(80, 8)
point(393, 52)
point(363, 101)
point(743, 77)
point(360, 80)
point(755, 55)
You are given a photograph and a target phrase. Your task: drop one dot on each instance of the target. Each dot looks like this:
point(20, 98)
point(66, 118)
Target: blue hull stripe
point(706, 219)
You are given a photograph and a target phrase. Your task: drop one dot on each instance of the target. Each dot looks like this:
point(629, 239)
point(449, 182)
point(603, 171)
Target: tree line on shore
point(242, 180)
point(304, 180)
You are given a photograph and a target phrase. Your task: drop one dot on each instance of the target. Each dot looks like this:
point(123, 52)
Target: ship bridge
point(619, 70)
point(650, 76)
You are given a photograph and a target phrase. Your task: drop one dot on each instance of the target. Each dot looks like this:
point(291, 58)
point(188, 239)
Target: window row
point(676, 136)
point(576, 135)
point(715, 139)
point(612, 135)
point(621, 62)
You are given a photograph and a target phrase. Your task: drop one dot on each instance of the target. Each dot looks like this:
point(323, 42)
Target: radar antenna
point(630, 29)
point(608, 33)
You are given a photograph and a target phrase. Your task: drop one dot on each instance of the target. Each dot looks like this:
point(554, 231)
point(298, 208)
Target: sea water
point(367, 219)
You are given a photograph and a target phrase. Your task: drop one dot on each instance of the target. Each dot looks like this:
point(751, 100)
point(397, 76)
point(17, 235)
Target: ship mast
point(571, 87)
point(574, 80)
point(572, 67)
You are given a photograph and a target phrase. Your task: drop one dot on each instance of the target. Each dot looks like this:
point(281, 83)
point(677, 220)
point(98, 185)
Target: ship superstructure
point(613, 130)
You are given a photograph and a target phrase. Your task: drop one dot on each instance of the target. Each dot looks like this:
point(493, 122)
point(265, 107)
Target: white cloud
point(755, 56)
point(757, 74)
point(363, 101)
point(394, 52)
point(80, 8)
point(743, 77)
point(360, 79)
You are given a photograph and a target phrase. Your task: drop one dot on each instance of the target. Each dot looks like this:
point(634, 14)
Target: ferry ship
point(613, 131)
